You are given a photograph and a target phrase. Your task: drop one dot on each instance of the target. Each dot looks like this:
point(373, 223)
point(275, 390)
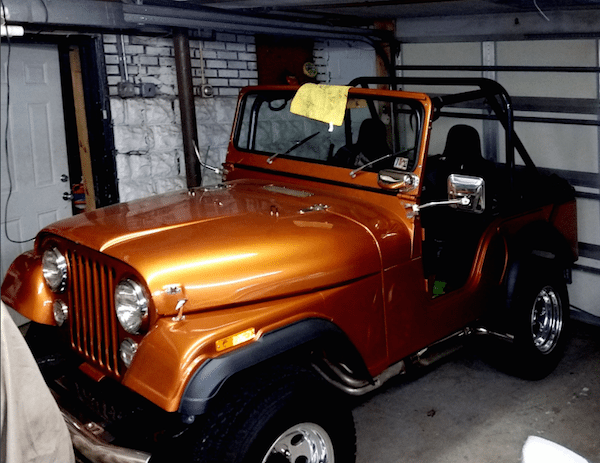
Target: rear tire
point(284, 415)
point(540, 310)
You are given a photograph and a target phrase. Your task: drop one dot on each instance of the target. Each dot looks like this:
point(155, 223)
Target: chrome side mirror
point(465, 186)
point(402, 182)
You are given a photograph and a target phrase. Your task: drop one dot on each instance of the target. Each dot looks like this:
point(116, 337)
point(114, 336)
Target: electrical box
point(148, 90)
point(126, 89)
point(206, 91)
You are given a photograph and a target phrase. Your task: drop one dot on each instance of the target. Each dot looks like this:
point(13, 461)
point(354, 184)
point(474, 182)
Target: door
point(35, 168)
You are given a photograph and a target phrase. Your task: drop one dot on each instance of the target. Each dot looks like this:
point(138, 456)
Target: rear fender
point(539, 242)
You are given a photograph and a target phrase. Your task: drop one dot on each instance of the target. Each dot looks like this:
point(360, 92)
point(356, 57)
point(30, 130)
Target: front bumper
point(107, 422)
point(88, 440)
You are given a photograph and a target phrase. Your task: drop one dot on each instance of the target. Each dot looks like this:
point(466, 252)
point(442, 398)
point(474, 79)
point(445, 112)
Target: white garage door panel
point(580, 295)
point(560, 146)
point(462, 53)
point(564, 53)
point(547, 53)
point(588, 221)
point(548, 84)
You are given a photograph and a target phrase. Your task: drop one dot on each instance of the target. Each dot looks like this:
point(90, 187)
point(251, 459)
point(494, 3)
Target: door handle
point(67, 196)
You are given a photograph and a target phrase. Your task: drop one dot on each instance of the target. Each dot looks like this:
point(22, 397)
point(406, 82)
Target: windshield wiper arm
point(397, 153)
point(293, 147)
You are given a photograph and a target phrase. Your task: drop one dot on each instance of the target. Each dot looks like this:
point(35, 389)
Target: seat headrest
point(463, 145)
point(372, 138)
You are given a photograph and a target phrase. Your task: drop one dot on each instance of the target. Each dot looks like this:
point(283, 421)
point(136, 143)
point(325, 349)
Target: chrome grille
point(93, 322)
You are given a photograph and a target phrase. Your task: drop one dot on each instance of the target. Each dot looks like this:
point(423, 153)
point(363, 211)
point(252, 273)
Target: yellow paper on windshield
point(325, 103)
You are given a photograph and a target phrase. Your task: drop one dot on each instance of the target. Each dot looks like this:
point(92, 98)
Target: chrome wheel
point(302, 443)
point(546, 320)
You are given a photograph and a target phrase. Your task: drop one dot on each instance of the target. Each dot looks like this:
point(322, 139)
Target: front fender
point(179, 348)
point(25, 290)
point(209, 378)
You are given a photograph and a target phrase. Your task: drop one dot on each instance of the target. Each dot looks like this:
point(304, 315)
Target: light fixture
point(8, 31)
point(12, 31)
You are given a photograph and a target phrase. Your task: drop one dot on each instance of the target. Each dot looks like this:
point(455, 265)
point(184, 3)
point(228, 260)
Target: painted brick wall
point(229, 62)
point(148, 130)
point(148, 136)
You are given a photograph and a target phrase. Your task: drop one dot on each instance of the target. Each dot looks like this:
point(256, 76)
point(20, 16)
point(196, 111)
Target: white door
point(35, 167)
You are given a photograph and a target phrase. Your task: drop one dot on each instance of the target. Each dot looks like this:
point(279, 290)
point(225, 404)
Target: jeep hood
point(232, 245)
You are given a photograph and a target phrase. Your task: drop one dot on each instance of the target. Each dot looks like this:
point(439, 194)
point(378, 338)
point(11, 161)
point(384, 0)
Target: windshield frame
point(247, 121)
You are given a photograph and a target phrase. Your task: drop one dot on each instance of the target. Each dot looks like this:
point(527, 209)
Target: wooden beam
point(82, 130)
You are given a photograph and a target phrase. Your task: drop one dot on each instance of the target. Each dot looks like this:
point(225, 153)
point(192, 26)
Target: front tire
point(285, 415)
point(540, 309)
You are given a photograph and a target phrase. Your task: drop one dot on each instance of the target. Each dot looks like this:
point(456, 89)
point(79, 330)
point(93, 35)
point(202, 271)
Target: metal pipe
point(220, 19)
point(356, 388)
point(122, 59)
point(185, 90)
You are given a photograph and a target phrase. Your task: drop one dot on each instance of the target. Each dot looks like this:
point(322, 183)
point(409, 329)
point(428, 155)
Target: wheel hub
point(302, 443)
point(546, 320)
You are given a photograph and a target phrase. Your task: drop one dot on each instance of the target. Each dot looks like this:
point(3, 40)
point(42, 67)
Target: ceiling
point(351, 10)
point(419, 20)
point(353, 13)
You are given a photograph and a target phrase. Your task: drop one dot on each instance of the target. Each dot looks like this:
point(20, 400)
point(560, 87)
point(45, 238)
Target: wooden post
point(82, 130)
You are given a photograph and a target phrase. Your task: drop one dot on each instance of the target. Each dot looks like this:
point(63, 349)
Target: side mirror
point(402, 182)
point(465, 186)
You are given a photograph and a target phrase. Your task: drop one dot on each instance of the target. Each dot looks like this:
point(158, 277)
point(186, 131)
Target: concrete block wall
point(148, 140)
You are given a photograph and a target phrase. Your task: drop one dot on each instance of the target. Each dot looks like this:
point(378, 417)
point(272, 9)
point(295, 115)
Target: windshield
point(376, 134)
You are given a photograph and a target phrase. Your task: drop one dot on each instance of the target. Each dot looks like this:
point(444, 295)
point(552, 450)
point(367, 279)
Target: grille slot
point(93, 322)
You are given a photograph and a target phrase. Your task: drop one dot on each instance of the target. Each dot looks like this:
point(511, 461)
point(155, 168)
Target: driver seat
point(462, 153)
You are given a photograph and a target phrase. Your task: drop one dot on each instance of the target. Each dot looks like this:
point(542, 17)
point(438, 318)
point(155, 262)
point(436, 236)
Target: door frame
point(96, 101)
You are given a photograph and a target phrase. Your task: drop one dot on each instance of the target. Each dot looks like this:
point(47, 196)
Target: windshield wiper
point(397, 153)
point(293, 147)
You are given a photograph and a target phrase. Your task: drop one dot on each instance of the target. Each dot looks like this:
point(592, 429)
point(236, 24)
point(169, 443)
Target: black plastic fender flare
point(540, 241)
point(210, 377)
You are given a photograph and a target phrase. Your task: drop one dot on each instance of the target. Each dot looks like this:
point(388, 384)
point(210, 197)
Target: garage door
point(554, 87)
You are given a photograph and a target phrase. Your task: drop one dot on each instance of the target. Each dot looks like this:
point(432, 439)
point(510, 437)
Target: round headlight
point(131, 305)
point(127, 351)
point(54, 269)
point(61, 312)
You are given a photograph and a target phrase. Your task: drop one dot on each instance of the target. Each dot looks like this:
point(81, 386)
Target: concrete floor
point(465, 410)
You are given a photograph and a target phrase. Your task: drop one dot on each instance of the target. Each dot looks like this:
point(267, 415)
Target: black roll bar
point(496, 96)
